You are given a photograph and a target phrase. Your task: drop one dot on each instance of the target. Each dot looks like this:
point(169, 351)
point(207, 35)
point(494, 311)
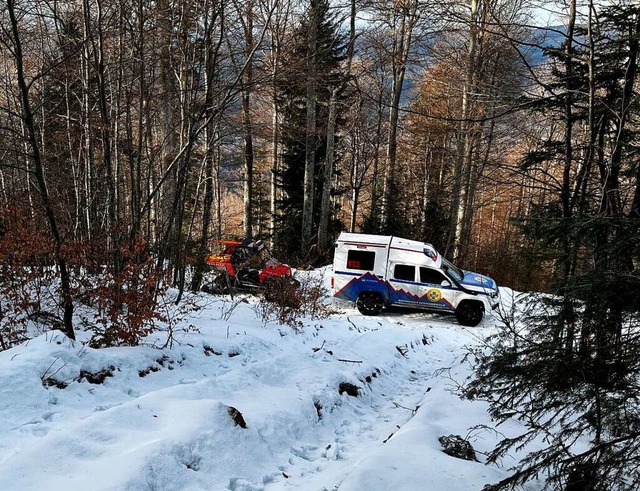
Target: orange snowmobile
point(244, 265)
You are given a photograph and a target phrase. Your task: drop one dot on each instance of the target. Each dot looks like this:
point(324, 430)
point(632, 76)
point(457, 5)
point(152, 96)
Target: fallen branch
point(403, 350)
point(354, 326)
point(413, 411)
point(315, 350)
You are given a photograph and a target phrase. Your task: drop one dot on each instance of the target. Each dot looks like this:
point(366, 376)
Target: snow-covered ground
point(162, 419)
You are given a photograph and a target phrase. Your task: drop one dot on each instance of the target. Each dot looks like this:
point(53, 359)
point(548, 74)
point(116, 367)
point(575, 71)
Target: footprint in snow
point(239, 484)
point(35, 427)
point(306, 452)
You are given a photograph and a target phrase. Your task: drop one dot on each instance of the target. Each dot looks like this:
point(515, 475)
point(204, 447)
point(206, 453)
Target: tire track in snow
point(364, 424)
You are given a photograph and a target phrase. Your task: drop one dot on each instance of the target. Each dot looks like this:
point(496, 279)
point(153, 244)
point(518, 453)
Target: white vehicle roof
point(364, 239)
point(402, 249)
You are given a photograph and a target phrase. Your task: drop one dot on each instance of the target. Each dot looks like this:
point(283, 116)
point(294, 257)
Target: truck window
point(455, 272)
point(404, 272)
point(362, 260)
point(432, 276)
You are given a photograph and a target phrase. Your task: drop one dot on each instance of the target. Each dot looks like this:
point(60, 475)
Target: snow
point(162, 419)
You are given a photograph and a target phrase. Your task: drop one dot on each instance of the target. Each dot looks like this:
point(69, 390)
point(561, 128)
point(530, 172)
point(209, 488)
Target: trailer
point(379, 271)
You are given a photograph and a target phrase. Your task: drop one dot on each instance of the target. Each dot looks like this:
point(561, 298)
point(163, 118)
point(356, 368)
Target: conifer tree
point(569, 369)
point(292, 89)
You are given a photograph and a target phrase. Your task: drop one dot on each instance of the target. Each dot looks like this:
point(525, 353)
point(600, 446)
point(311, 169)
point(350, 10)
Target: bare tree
point(403, 18)
point(13, 43)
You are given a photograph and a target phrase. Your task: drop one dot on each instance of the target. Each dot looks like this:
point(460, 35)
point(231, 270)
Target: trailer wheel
point(369, 303)
point(470, 313)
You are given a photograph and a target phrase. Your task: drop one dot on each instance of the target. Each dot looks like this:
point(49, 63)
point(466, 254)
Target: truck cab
point(377, 271)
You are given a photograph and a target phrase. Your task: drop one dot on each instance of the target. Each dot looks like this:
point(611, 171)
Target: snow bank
point(143, 418)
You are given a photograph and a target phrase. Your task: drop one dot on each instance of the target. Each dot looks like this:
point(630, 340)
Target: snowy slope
point(162, 420)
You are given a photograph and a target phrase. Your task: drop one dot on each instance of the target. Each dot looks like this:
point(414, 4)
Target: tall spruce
point(298, 145)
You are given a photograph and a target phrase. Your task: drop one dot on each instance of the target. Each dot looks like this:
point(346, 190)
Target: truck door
point(436, 290)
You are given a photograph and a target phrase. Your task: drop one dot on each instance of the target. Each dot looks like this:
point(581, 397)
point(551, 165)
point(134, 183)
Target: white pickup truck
point(377, 271)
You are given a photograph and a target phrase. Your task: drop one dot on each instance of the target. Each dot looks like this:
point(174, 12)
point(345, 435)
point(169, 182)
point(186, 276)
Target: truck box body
point(405, 273)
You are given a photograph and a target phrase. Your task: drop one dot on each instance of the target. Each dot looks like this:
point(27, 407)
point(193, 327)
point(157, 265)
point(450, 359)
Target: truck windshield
point(454, 271)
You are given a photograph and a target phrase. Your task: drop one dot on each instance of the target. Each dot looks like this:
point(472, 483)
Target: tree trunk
point(567, 317)
point(39, 173)
point(401, 47)
point(464, 158)
point(325, 204)
point(355, 198)
point(105, 134)
point(311, 138)
point(247, 126)
point(396, 91)
point(210, 141)
point(87, 126)
point(275, 139)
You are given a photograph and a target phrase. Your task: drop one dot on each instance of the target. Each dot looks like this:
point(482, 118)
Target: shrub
point(28, 286)
point(128, 300)
point(288, 300)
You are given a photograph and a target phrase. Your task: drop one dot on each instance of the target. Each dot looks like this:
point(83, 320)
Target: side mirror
point(430, 252)
point(445, 283)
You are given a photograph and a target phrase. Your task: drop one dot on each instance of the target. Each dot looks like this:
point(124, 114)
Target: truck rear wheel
point(369, 303)
point(469, 313)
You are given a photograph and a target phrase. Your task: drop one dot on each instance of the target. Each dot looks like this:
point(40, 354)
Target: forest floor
point(144, 418)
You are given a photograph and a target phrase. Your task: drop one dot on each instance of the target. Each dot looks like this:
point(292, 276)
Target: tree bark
point(311, 137)
point(402, 43)
point(247, 124)
point(39, 173)
point(464, 158)
point(325, 205)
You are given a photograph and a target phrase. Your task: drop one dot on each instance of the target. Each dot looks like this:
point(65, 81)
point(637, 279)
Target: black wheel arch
point(468, 301)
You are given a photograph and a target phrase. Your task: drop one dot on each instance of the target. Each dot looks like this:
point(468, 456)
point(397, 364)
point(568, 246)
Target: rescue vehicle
point(245, 265)
point(377, 271)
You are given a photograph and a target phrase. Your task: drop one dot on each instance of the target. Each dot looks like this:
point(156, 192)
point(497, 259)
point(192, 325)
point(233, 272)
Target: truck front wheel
point(369, 303)
point(469, 313)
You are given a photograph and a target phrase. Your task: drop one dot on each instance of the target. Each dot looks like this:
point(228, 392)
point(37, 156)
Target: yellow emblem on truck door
point(434, 295)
